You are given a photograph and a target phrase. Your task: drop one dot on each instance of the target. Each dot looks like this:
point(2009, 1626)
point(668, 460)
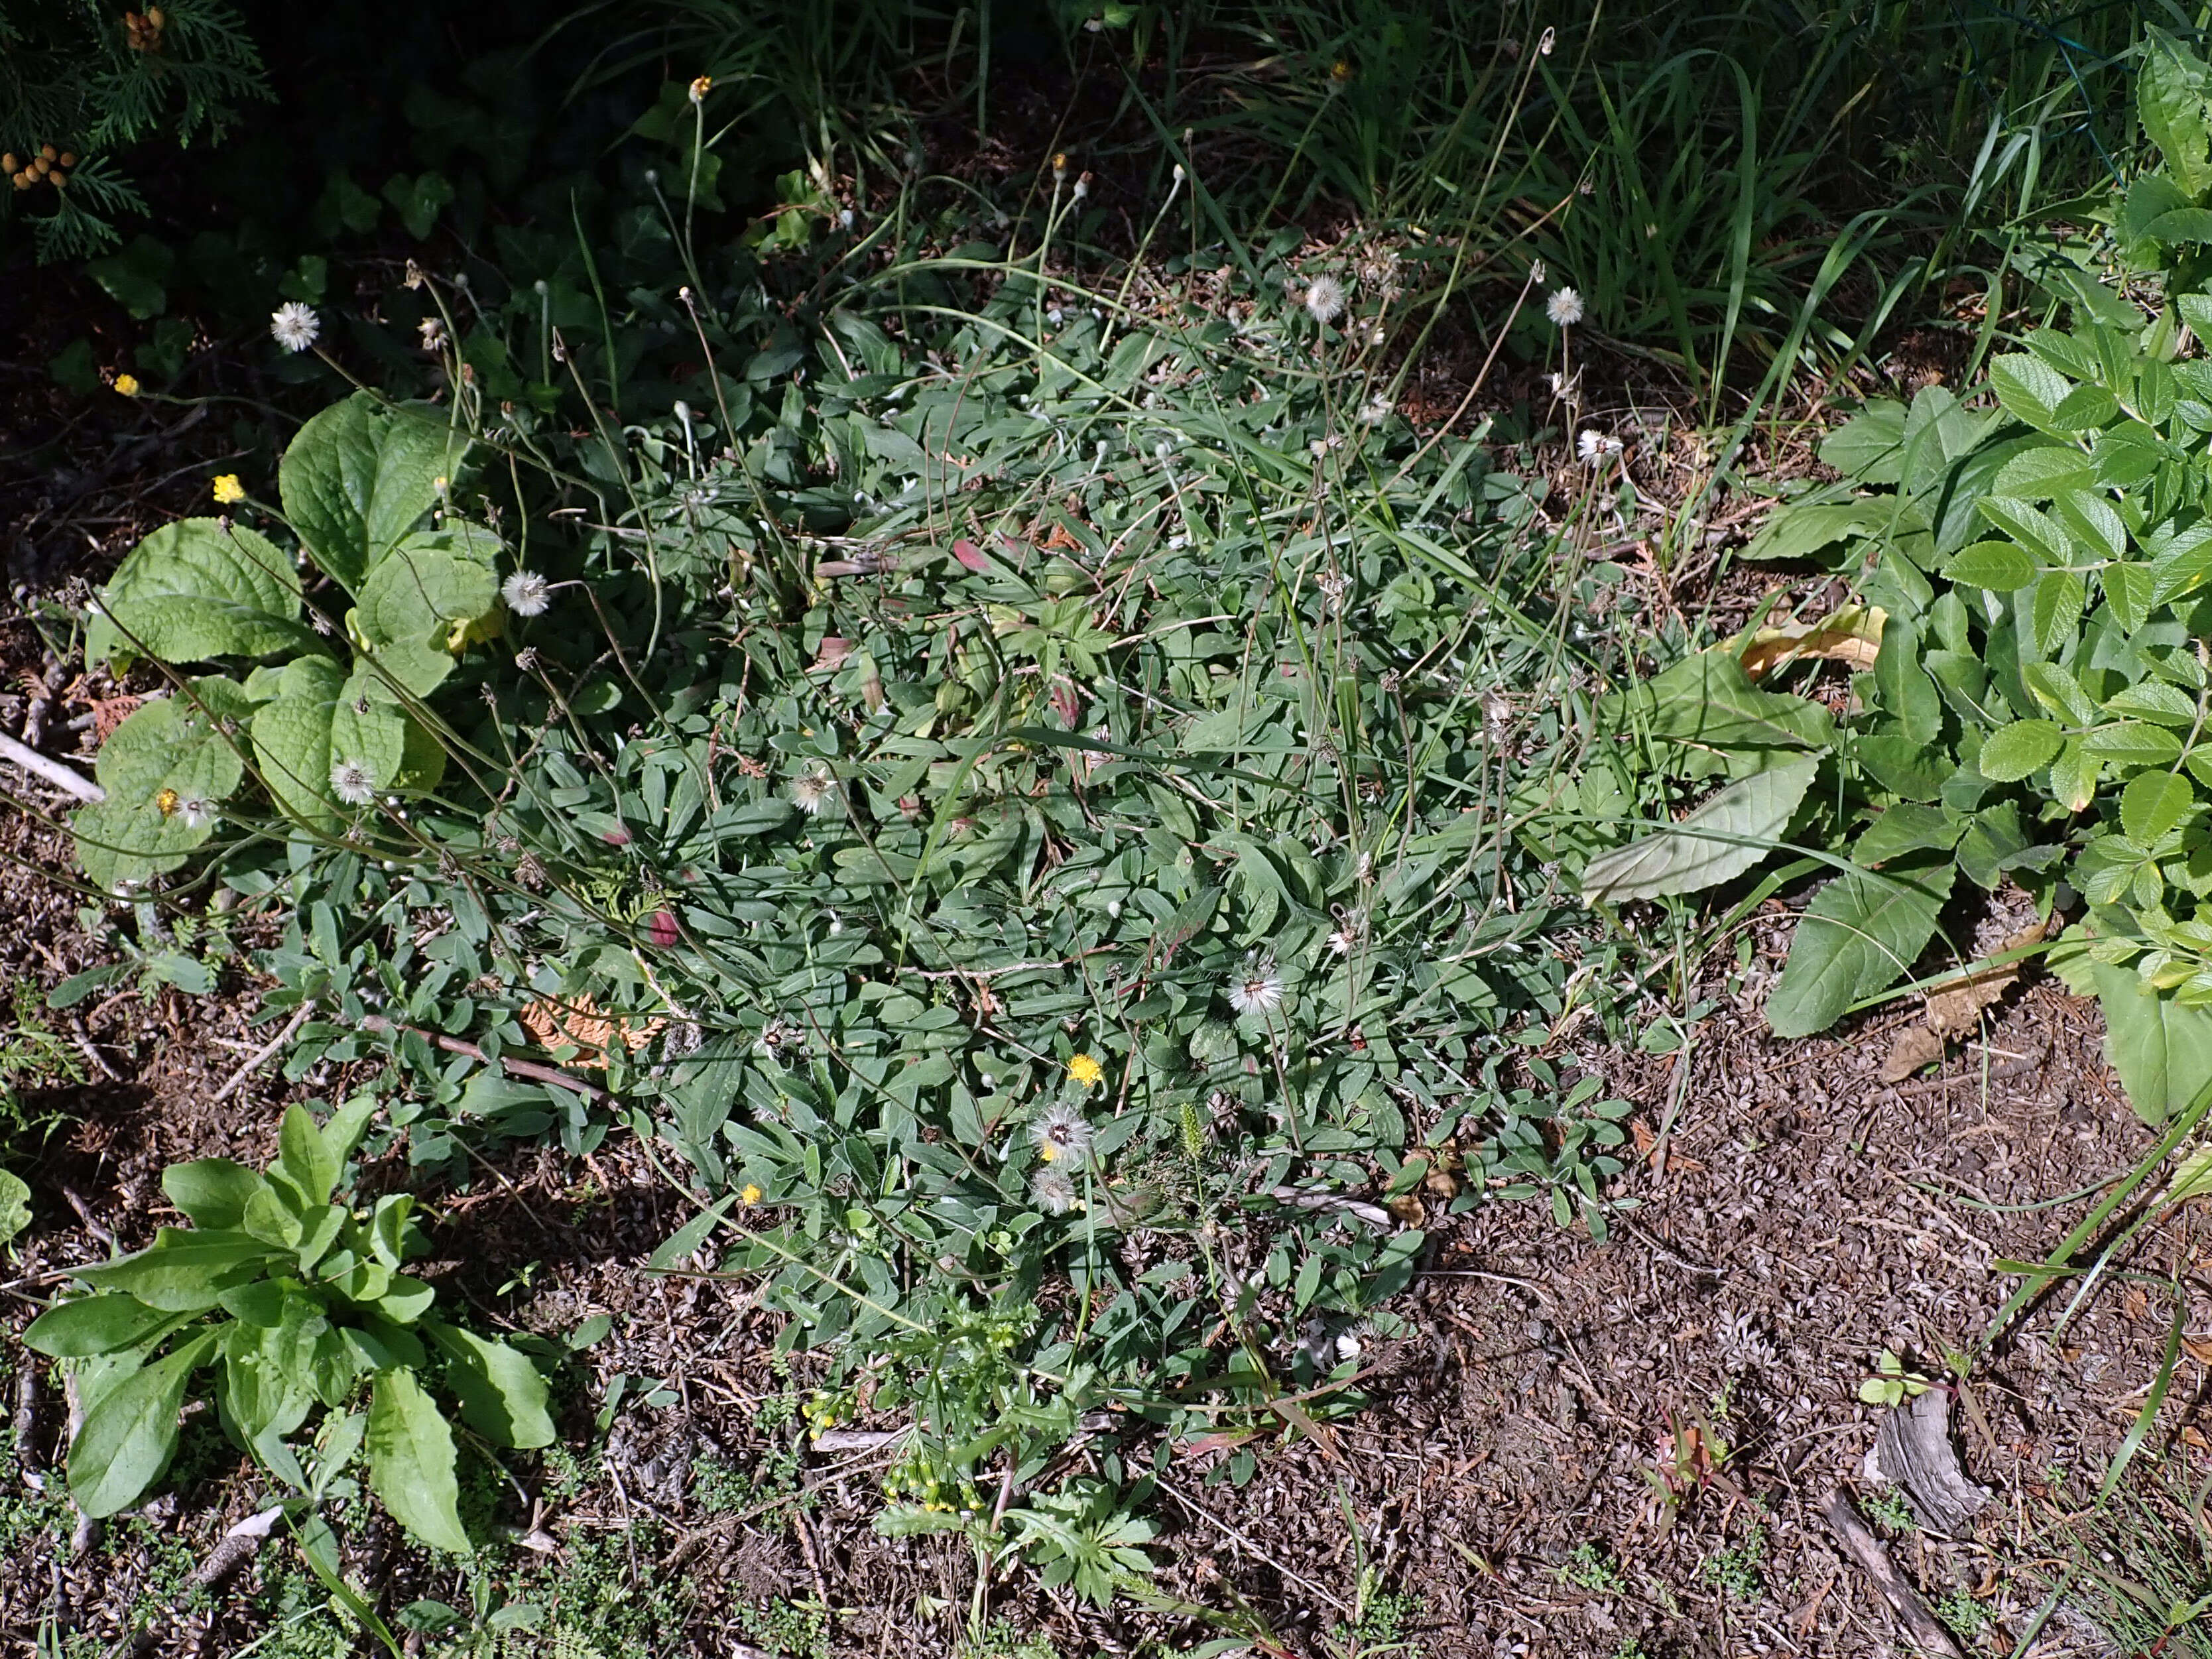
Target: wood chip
point(1955, 1009)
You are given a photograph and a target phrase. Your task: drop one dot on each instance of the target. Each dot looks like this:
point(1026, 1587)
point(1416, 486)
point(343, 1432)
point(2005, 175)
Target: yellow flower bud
point(128, 385)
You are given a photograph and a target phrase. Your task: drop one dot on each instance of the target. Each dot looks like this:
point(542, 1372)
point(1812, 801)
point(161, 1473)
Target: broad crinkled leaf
point(1860, 933)
point(213, 1191)
point(1717, 842)
point(196, 589)
point(165, 769)
point(410, 1461)
point(358, 476)
point(416, 603)
point(292, 737)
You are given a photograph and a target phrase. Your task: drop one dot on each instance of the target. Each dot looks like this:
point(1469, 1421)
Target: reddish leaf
point(970, 555)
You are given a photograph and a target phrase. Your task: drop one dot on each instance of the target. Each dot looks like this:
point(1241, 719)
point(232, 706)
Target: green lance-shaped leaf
point(501, 1394)
point(1708, 699)
point(182, 1271)
point(410, 1461)
point(107, 1323)
point(130, 1434)
point(1717, 842)
point(2170, 97)
point(165, 769)
point(359, 476)
point(1859, 934)
point(196, 589)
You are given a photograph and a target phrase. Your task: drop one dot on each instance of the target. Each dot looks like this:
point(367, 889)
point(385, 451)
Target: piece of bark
point(1927, 1631)
point(1912, 1449)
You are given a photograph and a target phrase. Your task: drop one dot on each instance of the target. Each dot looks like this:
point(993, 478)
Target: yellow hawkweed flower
point(228, 489)
point(127, 385)
point(750, 1195)
point(1086, 1071)
point(1048, 1152)
point(701, 88)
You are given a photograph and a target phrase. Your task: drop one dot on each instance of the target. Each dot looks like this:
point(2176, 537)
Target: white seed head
point(1062, 1137)
point(295, 326)
point(813, 789)
point(1325, 299)
point(352, 783)
point(433, 331)
point(1257, 987)
point(1564, 308)
point(526, 593)
point(1053, 1189)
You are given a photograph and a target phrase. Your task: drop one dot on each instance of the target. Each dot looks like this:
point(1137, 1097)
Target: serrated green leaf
point(2171, 99)
point(2038, 473)
point(2134, 742)
point(2152, 803)
point(2155, 701)
point(196, 589)
point(2074, 775)
point(2058, 691)
point(2012, 752)
point(2030, 389)
point(1718, 842)
point(1860, 933)
point(2055, 610)
point(2128, 588)
point(410, 1462)
point(358, 476)
point(2094, 522)
point(2001, 567)
point(2179, 562)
